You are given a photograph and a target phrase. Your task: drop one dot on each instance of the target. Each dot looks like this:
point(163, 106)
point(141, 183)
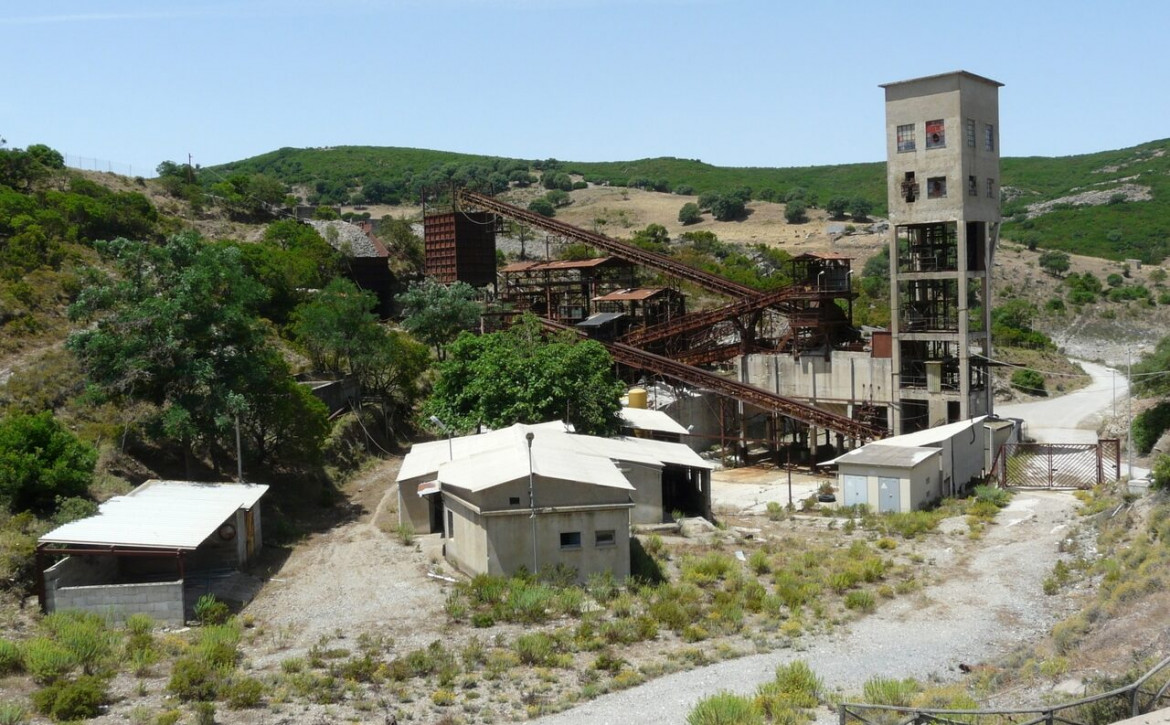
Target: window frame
point(972, 185)
point(567, 539)
point(905, 138)
point(611, 534)
point(934, 183)
point(971, 126)
point(940, 126)
point(989, 137)
point(990, 188)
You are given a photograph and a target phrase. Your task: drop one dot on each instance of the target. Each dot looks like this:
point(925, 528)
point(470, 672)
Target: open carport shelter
point(137, 554)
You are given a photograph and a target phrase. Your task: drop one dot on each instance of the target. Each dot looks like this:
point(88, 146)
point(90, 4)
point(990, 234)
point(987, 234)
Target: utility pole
point(532, 501)
point(1129, 412)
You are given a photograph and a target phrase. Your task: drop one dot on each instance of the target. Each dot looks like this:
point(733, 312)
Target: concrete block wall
point(161, 601)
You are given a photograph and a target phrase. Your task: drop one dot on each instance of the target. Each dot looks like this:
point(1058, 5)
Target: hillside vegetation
point(1110, 204)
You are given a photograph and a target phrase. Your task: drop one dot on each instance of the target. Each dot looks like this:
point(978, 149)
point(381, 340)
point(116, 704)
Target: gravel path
point(990, 601)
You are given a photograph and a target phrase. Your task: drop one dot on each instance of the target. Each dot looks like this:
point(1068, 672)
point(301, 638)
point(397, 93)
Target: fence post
point(841, 715)
point(1048, 718)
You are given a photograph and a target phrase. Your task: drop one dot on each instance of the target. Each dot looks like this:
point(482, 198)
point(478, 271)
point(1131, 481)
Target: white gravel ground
point(991, 602)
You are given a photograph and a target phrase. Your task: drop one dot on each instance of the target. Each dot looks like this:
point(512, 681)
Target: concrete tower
point(942, 151)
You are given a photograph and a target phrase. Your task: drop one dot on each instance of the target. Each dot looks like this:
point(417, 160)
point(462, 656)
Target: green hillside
point(1110, 204)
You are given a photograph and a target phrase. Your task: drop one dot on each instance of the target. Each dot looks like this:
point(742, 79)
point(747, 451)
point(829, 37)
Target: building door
point(250, 533)
point(889, 494)
point(856, 490)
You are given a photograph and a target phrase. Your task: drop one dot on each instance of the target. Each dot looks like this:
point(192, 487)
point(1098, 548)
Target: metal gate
point(1058, 465)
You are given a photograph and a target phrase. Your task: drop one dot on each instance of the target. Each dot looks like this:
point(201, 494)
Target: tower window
point(972, 186)
point(906, 138)
point(971, 132)
point(991, 188)
point(936, 187)
point(909, 187)
point(936, 135)
point(988, 137)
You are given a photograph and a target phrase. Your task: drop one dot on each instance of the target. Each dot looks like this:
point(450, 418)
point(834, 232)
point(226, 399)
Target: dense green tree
point(559, 198)
point(516, 376)
point(860, 208)
point(707, 200)
point(836, 206)
point(178, 329)
point(291, 259)
point(1150, 374)
point(654, 238)
point(1029, 381)
point(1054, 262)
point(690, 213)
point(728, 208)
point(543, 207)
point(48, 157)
point(20, 170)
point(41, 462)
point(435, 313)
point(796, 212)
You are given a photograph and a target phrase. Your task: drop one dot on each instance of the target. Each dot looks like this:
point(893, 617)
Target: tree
point(48, 157)
point(558, 198)
point(796, 212)
point(859, 208)
point(654, 238)
point(515, 376)
point(1029, 381)
point(40, 462)
point(1149, 376)
point(179, 329)
point(1054, 262)
point(836, 207)
point(690, 213)
point(707, 199)
point(728, 208)
point(542, 206)
point(435, 313)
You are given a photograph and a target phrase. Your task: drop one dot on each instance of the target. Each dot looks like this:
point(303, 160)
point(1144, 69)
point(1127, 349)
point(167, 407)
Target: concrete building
point(527, 504)
point(911, 471)
point(666, 476)
point(942, 151)
point(148, 551)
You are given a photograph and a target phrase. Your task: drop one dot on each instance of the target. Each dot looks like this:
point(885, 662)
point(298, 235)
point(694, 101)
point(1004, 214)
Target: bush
point(193, 679)
point(9, 657)
point(725, 708)
point(690, 213)
point(542, 207)
point(796, 212)
point(243, 692)
point(42, 460)
point(1149, 425)
point(77, 700)
point(47, 661)
point(890, 691)
point(13, 713)
point(211, 611)
point(1029, 381)
point(861, 600)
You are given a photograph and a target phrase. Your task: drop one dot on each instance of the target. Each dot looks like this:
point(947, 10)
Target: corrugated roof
point(160, 514)
point(631, 294)
point(510, 463)
point(427, 459)
point(891, 456)
point(655, 420)
point(561, 264)
point(601, 318)
point(930, 436)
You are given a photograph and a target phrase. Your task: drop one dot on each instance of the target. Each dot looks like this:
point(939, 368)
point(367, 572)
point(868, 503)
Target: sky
point(126, 84)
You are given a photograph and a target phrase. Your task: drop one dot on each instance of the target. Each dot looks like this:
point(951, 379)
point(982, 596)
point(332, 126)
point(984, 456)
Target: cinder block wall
point(161, 601)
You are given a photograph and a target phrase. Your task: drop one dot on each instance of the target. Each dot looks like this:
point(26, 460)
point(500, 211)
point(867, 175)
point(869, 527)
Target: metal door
point(889, 494)
point(856, 490)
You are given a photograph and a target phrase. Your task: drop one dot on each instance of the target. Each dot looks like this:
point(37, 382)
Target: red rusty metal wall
point(461, 246)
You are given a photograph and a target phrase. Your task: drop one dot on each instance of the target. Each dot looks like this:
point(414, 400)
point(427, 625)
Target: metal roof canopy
point(166, 515)
point(884, 455)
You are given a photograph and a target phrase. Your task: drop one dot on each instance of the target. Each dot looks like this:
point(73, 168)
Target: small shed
point(138, 553)
point(890, 478)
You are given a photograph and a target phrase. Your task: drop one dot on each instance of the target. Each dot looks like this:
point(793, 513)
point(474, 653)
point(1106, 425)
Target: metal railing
point(1146, 694)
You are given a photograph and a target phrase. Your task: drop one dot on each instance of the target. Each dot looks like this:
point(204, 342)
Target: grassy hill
point(1110, 204)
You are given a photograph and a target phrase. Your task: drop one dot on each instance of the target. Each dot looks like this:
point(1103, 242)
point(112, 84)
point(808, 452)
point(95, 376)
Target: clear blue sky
point(734, 83)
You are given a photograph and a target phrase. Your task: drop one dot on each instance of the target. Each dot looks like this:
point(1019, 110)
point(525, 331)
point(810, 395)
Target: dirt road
point(990, 601)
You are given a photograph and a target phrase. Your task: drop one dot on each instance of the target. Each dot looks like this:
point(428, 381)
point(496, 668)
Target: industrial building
point(807, 384)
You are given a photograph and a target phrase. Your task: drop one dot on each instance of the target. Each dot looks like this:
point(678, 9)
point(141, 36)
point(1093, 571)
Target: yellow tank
point(637, 397)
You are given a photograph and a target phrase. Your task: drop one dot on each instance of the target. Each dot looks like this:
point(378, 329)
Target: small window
point(909, 187)
point(988, 137)
point(513, 500)
point(936, 134)
point(971, 132)
point(571, 540)
point(604, 538)
point(991, 188)
point(972, 186)
point(936, 187)
point(906, 138)
point(450, 525)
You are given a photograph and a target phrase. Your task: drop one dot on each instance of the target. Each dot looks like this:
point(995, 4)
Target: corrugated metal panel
point(931, 436)
point(642, 293)
point(656, 420)
point(510, 463)
point(883, 455)
point(160, 514)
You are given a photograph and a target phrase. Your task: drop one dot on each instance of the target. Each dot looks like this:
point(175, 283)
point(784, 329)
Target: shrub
point(77, 700)
point(1029, 381)
point(861, 600)
point(243, 692)
point(993, 494)
point(405, 533)
point(725, 708)
point(890, 691)
point(209, 610)
point(536, 648)
point(443, 697)
point(193, 679)
point(204, 713)
point(13, 713)
point(47, 661)
point(690, 213)
point(1149, 425)
point(9, 657)
point(542, 207)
